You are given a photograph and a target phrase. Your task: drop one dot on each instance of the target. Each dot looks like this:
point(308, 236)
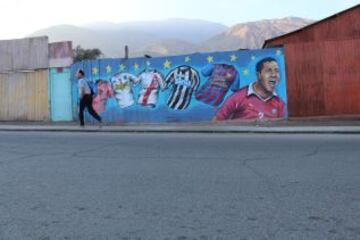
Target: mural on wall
point(103, 93)
point(220, 78)
point(246, 85)
point(184, 81)
point(151, 83)
point(122, 85)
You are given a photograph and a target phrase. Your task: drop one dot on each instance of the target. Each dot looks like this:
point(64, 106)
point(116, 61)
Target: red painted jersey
point(247, 105)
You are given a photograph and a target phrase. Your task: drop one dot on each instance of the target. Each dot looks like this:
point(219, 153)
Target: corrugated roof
point(311, 25)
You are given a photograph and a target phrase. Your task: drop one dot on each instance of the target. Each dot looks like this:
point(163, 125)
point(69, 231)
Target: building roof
point(312, 24)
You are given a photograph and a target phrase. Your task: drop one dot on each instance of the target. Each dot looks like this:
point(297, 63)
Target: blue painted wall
point(243, 61)
point(60, 94)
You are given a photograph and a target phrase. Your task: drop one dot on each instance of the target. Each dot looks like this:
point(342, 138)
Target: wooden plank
point(24, 96)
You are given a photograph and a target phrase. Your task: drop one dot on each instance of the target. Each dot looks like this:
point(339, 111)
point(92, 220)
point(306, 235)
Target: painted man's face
point(269, 76)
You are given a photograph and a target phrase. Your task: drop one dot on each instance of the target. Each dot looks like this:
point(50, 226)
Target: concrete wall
point(24, 54)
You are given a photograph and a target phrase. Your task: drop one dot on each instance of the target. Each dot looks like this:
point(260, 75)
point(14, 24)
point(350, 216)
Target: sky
point(19, 18)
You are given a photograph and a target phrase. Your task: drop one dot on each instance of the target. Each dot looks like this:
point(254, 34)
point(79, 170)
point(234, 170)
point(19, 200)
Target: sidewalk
point(316, 127)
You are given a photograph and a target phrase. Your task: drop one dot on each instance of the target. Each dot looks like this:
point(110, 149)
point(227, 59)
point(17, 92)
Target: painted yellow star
point(246, 72)
point(233, 58)
point(167, 64)
point(122, 67)
point(136, 66)
point(95, 70)
point(253, 58)
point(187, 59)
point(210, 59)
point(278, 52)
point(108, 69)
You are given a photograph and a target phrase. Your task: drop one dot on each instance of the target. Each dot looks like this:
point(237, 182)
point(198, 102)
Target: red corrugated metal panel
point(304, 80)
point(342, 76)
point(341, 27)
point(323, 78)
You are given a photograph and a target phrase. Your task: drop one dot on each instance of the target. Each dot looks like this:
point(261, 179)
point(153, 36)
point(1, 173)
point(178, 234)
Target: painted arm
point(161, 82)
point(207, 71)
point(236, 84)
point(229, 107)
point(196, 80)
point(169, 79)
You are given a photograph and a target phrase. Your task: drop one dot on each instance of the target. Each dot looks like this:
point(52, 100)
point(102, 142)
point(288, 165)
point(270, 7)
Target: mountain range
point(172, 36)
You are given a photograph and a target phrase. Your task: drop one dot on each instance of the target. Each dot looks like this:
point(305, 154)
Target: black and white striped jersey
point(184, 80)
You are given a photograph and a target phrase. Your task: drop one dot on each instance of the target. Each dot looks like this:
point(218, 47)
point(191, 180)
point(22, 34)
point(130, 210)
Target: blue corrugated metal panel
point(182, 99)
point(60, 94)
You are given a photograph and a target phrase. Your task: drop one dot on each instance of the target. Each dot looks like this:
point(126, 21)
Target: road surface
point(179, 186)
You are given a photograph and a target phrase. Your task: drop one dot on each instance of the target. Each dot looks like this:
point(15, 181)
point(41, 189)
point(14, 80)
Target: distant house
point(323, 66)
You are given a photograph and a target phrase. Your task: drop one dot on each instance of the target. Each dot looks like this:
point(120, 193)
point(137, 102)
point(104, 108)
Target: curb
point(189, 129)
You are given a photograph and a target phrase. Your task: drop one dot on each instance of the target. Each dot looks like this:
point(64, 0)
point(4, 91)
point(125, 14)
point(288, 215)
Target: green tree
point(81, 54)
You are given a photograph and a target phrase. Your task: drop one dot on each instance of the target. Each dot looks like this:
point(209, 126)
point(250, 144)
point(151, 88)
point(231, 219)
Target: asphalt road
point(179, 186)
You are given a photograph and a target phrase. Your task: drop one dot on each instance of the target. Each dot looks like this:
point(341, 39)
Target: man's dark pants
point(86, 102)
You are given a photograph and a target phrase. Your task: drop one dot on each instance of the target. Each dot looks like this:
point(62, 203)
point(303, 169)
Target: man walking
point(85, 98)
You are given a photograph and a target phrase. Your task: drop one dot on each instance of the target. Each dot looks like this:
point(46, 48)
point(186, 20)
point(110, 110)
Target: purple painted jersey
point(221, 77)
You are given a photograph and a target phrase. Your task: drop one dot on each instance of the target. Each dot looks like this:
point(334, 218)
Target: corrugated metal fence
point(24, 96)
point(24, 79)
point(323, 78)
point(60, 59)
